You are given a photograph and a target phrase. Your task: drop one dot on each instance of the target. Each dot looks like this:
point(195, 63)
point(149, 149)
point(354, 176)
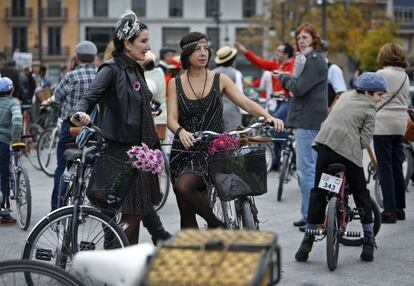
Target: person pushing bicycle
point(10, 131)
point(347, 130)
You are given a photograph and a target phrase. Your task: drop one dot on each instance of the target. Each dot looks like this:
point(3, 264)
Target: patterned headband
point(127, 31)
point(202, 41)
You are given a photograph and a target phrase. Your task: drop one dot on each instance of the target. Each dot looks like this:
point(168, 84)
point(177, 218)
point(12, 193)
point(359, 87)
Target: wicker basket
point(216, 257)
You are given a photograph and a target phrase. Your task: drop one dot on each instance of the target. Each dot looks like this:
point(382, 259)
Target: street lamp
point(216, 16)
point(323, 4)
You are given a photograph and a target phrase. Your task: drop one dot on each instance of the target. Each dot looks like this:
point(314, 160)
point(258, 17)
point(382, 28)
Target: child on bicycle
point(347, 130)
point(10, 131)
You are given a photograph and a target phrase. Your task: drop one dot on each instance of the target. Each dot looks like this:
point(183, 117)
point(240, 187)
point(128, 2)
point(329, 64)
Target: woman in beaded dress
point(195, 104)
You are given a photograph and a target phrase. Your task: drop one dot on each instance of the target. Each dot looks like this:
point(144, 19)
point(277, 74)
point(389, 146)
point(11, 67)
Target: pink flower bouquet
point(224, 142)
point(145, 159)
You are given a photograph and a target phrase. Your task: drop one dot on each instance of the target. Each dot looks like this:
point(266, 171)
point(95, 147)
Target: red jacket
point(270, 66)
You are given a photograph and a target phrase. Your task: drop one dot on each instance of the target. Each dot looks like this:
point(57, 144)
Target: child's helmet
point(6, 85)
point(371, 81)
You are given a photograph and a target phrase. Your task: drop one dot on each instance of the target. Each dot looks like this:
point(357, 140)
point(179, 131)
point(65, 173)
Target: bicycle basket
point(110, 181)
point(239, 172)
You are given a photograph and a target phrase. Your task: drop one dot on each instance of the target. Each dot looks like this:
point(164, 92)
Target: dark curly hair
point(187, 51)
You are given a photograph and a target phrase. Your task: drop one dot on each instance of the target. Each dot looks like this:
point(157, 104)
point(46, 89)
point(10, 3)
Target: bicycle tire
point(247, 216)
point(376, 215)
point(53, 229)
point(219, 208)
point(165, 185)
point(332, 239)
point(409, 168)
point(269, 156)
point(47, 164)
point(27, 267)
point(24, 221)
point(284, 169)
point(378, 192)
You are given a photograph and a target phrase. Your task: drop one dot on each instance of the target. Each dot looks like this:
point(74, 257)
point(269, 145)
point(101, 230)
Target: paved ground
point(394, 258)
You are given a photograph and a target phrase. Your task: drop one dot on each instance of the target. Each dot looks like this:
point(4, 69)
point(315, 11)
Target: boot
point(305, 247)
point(368, 245)
point(154, 226)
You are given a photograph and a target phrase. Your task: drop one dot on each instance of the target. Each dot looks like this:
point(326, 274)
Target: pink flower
point(223, 143)
point(145, 159)
point(136, 86)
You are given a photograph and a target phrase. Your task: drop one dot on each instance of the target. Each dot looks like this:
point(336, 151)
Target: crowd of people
point(331, 123)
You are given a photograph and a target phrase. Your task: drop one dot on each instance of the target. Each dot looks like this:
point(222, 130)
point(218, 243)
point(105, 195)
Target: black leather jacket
point(120, 115)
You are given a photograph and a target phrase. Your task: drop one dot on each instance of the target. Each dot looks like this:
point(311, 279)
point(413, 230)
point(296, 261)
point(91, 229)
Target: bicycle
point(46, 149)
point(30, 136)
point(239, 211)
point(165, 179)
point(20, 187)
point(339, 225)
point(26, 272)
point(288, 165)
point(77, 227)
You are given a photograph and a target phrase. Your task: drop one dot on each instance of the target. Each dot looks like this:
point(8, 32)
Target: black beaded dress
point(196, 115)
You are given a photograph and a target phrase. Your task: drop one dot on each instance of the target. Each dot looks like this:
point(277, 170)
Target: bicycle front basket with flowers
point(112, 178)
point(236, 170)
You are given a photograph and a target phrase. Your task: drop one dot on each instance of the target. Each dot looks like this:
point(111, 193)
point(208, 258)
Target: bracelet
point(177, 132)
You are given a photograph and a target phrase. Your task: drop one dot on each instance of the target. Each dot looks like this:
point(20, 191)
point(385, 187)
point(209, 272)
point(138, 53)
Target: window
point(100, 36)
point(19, 39)
point(171, 37)
point(176, 8)
point(139, 7)
point(213, 35)
point(249, 8)
point(100, 8)
point(18, 8)
point(54, 41)
point(212, 8)
point(54, 8)
point(404, 14)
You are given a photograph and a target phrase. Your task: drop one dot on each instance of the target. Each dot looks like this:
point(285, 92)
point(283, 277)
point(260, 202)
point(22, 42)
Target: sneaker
point(299, 223)
point(368, 245)
point(388, 217)
point(7, 219)
point(400, 214)
point(305, 247)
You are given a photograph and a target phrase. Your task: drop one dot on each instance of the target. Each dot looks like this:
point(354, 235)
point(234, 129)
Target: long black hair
point(187, 51)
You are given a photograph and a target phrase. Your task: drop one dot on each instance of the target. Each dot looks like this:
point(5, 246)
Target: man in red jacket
point(283, 60)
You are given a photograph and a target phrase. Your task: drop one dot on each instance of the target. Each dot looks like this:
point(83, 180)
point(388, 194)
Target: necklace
point(204, 88)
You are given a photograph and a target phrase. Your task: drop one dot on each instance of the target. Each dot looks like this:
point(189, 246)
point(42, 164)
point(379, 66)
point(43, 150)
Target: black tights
point(132, 231)
point(191, 201)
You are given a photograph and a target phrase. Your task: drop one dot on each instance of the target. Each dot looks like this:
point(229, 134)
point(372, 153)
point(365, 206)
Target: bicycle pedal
point(87, 245)
point(315, 232)
point(43, 254)
point(352, 234)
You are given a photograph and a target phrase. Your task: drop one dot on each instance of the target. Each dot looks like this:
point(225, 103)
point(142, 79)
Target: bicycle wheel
point(269, 156)
point(407, 165)
point(46, 151)
point(23, 198)
point(284, 170)
point(332, 235)
point(378, 191)
point(221, 210)
point(355, 226)
point(26, 272)
point(49, 240)
point(248, 215)
point(165, 181)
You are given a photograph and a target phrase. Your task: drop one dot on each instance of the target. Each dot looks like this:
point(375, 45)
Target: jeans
point(281, 113)
point(305, 164)
point(390, 156)
point(5, 173)
point(64, 138)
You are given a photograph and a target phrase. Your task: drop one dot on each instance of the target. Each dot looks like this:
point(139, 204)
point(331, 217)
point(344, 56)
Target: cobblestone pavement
point(393, 263)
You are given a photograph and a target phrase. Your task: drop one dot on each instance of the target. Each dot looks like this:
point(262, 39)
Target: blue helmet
point(371, 81)
point(6, 85)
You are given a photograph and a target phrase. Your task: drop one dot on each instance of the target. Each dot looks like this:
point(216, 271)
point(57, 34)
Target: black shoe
point(302, 228)
point(368, 245)
point(305, 247)
point(164, 235)
point(400, 214)
point(388, 217)
point(299, 223)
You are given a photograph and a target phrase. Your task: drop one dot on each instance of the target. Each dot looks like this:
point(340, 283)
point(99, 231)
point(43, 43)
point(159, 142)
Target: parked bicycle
point(46, 149)
point(20, 187)
point(342, 220)
point(288, 165)
point(30, 136)
point(77, 227)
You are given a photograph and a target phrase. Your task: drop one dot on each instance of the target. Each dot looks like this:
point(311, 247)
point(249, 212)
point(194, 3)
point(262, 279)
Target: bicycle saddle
point(74, 154)
point(336, 168)
point(18, 146)
point(118, 267)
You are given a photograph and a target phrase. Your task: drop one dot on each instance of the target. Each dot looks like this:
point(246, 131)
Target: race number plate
point(330, 183)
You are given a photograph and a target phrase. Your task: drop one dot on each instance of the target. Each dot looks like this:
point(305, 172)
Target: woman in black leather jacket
point(125, 115)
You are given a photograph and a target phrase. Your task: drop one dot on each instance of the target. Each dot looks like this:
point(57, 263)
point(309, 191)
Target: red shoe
point(7, 219)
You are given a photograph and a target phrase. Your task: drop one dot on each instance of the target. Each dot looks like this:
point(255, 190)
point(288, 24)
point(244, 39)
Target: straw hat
point(225, 54)
point(149, 56)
